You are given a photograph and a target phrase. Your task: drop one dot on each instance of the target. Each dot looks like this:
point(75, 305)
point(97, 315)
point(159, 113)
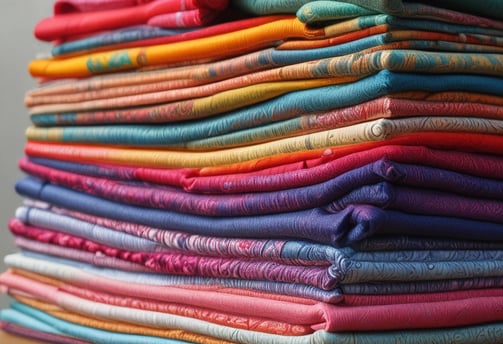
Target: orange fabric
point(216, 47)
point(115, 326)
point(253, 157)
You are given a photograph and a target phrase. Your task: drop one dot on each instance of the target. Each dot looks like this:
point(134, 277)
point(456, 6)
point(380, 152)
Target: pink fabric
point(180, 263)
point(450, 313)
point(307, 172)
point(75, 24)
point(71, 6)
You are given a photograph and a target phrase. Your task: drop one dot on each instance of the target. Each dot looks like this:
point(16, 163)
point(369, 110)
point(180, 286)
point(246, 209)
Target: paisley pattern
point(318, 172)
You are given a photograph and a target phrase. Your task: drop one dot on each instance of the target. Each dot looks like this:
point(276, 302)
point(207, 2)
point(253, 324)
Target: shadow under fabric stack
point(256, 172)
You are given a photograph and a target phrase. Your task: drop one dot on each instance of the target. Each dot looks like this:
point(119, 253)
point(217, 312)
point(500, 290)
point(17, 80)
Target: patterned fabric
point(354, 223)
point(296, 172)
point(491, 8)
point(145, 35)
point(380, 184)
point(165, 13)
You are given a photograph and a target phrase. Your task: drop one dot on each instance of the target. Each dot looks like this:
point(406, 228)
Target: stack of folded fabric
point(263, 172)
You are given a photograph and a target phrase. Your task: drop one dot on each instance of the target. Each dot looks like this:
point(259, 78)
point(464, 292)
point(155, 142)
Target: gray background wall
point(17, 47)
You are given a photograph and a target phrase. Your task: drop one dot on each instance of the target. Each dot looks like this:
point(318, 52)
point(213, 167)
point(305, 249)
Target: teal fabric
point(487, 8)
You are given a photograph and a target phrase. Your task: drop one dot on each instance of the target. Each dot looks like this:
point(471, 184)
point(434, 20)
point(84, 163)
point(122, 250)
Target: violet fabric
point(352, 224)
point(344, 185)
point(295, 174)
point(371, 184)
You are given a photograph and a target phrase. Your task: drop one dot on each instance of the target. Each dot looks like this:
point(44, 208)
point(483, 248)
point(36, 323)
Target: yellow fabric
point(214, 47)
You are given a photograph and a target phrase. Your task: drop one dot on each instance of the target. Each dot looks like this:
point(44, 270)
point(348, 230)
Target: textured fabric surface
point(167, 13)
point(145, 35)
point(351, 224)
point(492, 8)
point(214, 47)
point(263, 177)
point(380, 184)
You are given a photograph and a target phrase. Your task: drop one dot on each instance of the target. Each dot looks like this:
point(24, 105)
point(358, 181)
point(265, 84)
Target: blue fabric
point(351, 224)
point(27, 316)
point(291, 104)
point(129, 34)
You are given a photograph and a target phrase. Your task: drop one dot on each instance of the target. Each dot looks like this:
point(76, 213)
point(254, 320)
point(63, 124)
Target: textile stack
point(263, 171)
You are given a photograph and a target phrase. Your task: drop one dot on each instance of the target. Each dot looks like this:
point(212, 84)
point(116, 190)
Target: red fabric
point(81, 23)
point(469, 142)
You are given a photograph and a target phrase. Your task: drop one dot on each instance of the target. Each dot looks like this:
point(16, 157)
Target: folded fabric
point(451, 313)
point(341, 70)
point(207, 48)
point(286, 99)
point(346, 39)
point(343, 269)
point(69, 6)
point(379, 183)
point(227, 99)
point(356, 222)
point(302, 173)
point(44, 214)
point(167, 13)
point(268, 289)
point(316, 11)
point(272, 153)
point(246, 302)
point(247, 321)
point(10, 320)
point(260, 325)
point(491, 9)
point(28, 317)
point(145, 35)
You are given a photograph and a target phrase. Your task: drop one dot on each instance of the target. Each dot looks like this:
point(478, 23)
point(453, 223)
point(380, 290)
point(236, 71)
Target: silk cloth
point(342, 268)
point(379, 184)
point(427, 315)
point(165, 13)
point(488, 333)
point(492, 9)
point(297, 172)
point(354, 223)
point(264, 177)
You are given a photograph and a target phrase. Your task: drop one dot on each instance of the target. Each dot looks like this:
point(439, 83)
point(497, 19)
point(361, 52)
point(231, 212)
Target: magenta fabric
point(288, 175)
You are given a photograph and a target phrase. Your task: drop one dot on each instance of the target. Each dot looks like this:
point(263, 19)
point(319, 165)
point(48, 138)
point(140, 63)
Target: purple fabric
point(358, 183)
point(414, 200)
point(352, 224)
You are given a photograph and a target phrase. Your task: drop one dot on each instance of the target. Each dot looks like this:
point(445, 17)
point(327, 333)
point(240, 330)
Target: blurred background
point(17, 46)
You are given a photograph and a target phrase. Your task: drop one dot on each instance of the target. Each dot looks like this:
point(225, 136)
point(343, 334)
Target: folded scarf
point(207, 48)
point(344, 270)
point(70, 6)
point(342, 70)
point(296, 174)
point(380, 183)
point(145, 35)
point(491, 8)
point(167, 13)
point(356, 222)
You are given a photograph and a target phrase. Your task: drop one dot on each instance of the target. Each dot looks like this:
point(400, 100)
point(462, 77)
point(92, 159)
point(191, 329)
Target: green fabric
point(486, 8)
